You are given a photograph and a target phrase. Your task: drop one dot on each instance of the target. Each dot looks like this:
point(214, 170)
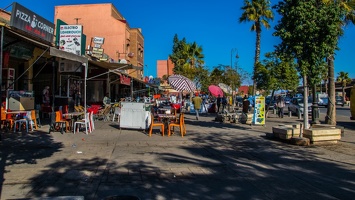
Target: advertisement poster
point(70, 38)
point(259, 111)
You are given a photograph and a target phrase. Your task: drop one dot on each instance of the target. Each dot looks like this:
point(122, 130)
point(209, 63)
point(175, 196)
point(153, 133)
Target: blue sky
point(212, 24)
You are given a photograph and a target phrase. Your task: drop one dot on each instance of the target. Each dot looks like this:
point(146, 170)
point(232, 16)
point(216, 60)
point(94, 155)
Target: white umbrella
point(226, 88)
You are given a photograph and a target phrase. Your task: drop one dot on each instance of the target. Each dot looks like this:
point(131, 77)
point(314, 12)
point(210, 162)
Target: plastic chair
point(33, 120)
point(6, 119)
point(116, 114)
point(155, 123)
point(180, 124)
point(60, 122)
point(25, 121)
point(92, 123)
point(85, 122)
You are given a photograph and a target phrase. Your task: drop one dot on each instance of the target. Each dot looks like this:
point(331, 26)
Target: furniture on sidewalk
point(134, 115)
point(179, 123)
point(85, 122)
point(166, 120)
point(103, 114)
point(6, 119)
point(116, 114)
point(61, 122)
point(155, 123)
point(23, 121)
point(72, 117)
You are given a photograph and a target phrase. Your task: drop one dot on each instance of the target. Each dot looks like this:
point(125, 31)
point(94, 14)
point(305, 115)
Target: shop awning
point(69, 56)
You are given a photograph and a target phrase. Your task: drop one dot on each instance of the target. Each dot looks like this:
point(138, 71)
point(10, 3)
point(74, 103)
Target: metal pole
point(1, 57)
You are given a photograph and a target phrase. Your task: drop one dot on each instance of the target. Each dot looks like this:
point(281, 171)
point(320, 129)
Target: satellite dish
point(123, 61)
point(130, 55)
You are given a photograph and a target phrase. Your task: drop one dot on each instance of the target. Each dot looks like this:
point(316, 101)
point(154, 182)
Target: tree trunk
point(331, 110)
point(305, 104)
point(257, 56)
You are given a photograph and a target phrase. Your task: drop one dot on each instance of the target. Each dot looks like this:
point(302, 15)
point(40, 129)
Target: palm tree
point(349, 17)
point(344, 79)
point(258, 12)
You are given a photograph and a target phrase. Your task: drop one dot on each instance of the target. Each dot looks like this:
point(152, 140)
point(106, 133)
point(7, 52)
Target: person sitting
point(106, 101)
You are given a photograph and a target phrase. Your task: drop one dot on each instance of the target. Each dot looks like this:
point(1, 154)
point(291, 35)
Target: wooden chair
point(180, 124)
point(60, 122)
point(155, 123)
point(103, 114)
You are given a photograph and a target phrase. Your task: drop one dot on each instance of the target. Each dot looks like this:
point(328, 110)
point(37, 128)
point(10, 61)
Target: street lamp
point(236, 56)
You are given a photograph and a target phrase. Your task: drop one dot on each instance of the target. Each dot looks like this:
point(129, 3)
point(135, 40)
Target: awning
point(25, 37)
point(69, 56)
point(111, 66)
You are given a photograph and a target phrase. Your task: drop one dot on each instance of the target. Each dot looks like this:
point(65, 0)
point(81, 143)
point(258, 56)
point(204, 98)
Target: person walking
point(280, 106)
point(219, 101)
point(197, 101)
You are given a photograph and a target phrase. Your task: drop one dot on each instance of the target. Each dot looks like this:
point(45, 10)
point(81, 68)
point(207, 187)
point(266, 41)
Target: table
point(73, 116)
point(166, 118)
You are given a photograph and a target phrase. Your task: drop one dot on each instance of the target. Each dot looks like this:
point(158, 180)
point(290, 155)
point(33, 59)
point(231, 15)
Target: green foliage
point(343, 78)
point(276, 72)
point(187, 57)
point(309, 30)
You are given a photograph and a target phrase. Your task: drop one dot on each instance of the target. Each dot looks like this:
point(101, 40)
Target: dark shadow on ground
point(22, 148)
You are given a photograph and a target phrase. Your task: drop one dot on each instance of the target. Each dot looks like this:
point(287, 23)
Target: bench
point(323, 135)
point(285, 132)
point(329, 126)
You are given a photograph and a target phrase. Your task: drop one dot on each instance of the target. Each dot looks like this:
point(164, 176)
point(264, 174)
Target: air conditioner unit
point(69, 66)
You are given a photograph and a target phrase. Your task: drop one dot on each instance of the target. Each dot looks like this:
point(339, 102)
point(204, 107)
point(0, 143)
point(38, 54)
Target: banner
point(259, 110)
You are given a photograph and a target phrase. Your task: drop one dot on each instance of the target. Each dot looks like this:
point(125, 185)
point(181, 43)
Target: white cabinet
point(133, 115)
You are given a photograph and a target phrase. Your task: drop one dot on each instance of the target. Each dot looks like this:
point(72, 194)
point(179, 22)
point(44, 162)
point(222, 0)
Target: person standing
point(246, 104)
point(219, 101)
point(197, 101)
point(280, 106)
point(45, 96)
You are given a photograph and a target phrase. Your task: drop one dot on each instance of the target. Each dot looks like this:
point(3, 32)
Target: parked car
point(339, 100)
point(323, 101)
point(287, 100)
point(296, 105)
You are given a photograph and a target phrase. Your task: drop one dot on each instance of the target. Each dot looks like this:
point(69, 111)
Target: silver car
point(296, 105)
point(323, 101)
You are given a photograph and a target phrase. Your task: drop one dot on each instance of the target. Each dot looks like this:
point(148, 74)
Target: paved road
point(213, 161)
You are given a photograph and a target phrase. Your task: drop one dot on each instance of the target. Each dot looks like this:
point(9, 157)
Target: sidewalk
point(213, 161)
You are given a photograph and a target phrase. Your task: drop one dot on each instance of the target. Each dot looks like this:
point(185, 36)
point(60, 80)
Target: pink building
point(105, 21)
point(164, 67)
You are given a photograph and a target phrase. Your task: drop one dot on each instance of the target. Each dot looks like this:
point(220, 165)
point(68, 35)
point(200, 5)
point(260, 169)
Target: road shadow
point(22, 148)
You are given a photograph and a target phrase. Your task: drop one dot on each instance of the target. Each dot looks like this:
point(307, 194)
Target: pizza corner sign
point(30, 22)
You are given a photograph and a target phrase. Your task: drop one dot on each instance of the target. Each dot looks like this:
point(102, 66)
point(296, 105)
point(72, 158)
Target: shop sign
point(30, 22)
point(125, 80)
point(98, 40)
point(70, 38)
point(97, 52)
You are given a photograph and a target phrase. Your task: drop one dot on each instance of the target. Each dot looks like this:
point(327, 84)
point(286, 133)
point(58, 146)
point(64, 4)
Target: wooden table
point(166, 118)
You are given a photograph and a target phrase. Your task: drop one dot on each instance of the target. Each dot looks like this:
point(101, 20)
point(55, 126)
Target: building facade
point(164, 67)
point(121, 43)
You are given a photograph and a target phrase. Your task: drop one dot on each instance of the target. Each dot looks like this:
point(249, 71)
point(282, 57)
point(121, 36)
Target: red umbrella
point(215, 90)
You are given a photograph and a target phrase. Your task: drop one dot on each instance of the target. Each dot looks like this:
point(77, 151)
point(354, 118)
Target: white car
point(296, 105)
